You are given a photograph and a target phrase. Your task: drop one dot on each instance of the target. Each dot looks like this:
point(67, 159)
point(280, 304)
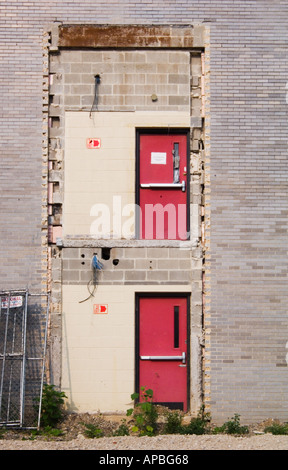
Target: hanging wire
point(92, 284)
point(96, 95)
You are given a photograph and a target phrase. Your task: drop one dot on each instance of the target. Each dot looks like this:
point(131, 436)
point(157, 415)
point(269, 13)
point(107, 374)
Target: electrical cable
point(96, 266)
point(94, 106)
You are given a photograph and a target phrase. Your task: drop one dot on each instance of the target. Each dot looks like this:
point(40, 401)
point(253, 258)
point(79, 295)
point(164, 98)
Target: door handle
point(165, 185)
point(165, 358)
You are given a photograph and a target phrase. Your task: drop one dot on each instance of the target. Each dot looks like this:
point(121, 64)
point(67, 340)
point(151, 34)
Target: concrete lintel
point(111, 243)
point(131, 36)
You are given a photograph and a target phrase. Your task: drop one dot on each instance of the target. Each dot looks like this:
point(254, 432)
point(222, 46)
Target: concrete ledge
point(86, 242)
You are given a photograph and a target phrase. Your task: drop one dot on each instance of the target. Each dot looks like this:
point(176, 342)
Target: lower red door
point(163, 339)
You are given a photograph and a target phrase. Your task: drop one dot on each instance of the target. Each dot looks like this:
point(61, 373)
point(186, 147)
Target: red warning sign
point(100, 308)
point(92, 143)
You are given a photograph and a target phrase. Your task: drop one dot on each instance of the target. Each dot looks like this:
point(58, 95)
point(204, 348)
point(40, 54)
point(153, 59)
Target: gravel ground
point(73, 438)
point(169, 442)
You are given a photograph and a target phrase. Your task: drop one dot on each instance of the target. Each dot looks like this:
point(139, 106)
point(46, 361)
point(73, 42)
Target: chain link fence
point(23, 339)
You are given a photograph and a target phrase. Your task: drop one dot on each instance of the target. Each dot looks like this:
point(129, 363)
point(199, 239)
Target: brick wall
point(246, 261)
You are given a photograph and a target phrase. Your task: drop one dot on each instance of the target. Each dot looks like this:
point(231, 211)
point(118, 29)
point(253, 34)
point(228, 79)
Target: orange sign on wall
point(92, 143)
point(100, 308)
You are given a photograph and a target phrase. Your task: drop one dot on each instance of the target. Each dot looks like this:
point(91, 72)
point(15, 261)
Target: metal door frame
point(138, 296)
point(161, 131)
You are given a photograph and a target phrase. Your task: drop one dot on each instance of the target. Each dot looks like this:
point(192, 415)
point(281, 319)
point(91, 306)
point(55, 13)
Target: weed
point(122, 430)
point(232, 427)
point(93, 431)
point(53, 432)
point(144, 413)
point(277, 428)
point(48, 432)
point(197, 425)
point(52, 406)
point(173, 423)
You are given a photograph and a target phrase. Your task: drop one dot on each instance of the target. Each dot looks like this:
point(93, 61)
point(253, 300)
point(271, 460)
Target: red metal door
point(163, 337)
point(163, 186)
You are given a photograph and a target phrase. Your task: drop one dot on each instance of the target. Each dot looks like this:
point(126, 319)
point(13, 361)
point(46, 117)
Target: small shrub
point(122, 430)
point(52, 406)
point(93, 431)
point(197, 425)
point(277, 428)
point(173, 423)
point(144, 413)
point(232, 427)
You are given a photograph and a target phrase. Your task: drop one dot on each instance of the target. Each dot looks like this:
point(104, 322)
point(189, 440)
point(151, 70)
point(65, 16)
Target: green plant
point(51, 407)
point(197, 425)
point(277, 428)
point(122, 430)
point(2, 432)
point(173, 423)
point(232, 427)
point(144, 413)
point(52, 432)
point(93, 431)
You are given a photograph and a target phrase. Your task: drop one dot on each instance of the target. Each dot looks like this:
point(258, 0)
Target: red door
point(163, 186)
point(163, 339)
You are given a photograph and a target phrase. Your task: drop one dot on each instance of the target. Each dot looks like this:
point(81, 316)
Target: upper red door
point(163, 186)
point(163, 337)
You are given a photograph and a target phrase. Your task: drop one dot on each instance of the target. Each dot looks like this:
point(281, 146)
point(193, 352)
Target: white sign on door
point(158, 158)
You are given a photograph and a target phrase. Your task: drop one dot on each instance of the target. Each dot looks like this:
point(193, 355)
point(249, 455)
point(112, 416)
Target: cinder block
point(157, 252)
point(175, 78)
point(68, 253)
point(176, 253)
point(135, 275)
point(161, 276)
point(179, 100)
point(184, 276)
point(135, 252)
point(112, 275)
point(69, 276)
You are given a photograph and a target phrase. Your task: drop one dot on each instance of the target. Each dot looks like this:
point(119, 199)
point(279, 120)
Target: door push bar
point(165, 358)
point(165, 185)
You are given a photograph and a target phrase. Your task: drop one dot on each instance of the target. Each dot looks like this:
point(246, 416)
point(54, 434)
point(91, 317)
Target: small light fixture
point(154, 97)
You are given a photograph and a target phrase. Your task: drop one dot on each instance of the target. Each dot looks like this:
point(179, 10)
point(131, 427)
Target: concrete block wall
point(128, 79)
point(246, 235)
point(146, 265)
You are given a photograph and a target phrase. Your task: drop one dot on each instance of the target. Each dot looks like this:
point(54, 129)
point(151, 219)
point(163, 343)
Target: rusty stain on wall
point(126, 36)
